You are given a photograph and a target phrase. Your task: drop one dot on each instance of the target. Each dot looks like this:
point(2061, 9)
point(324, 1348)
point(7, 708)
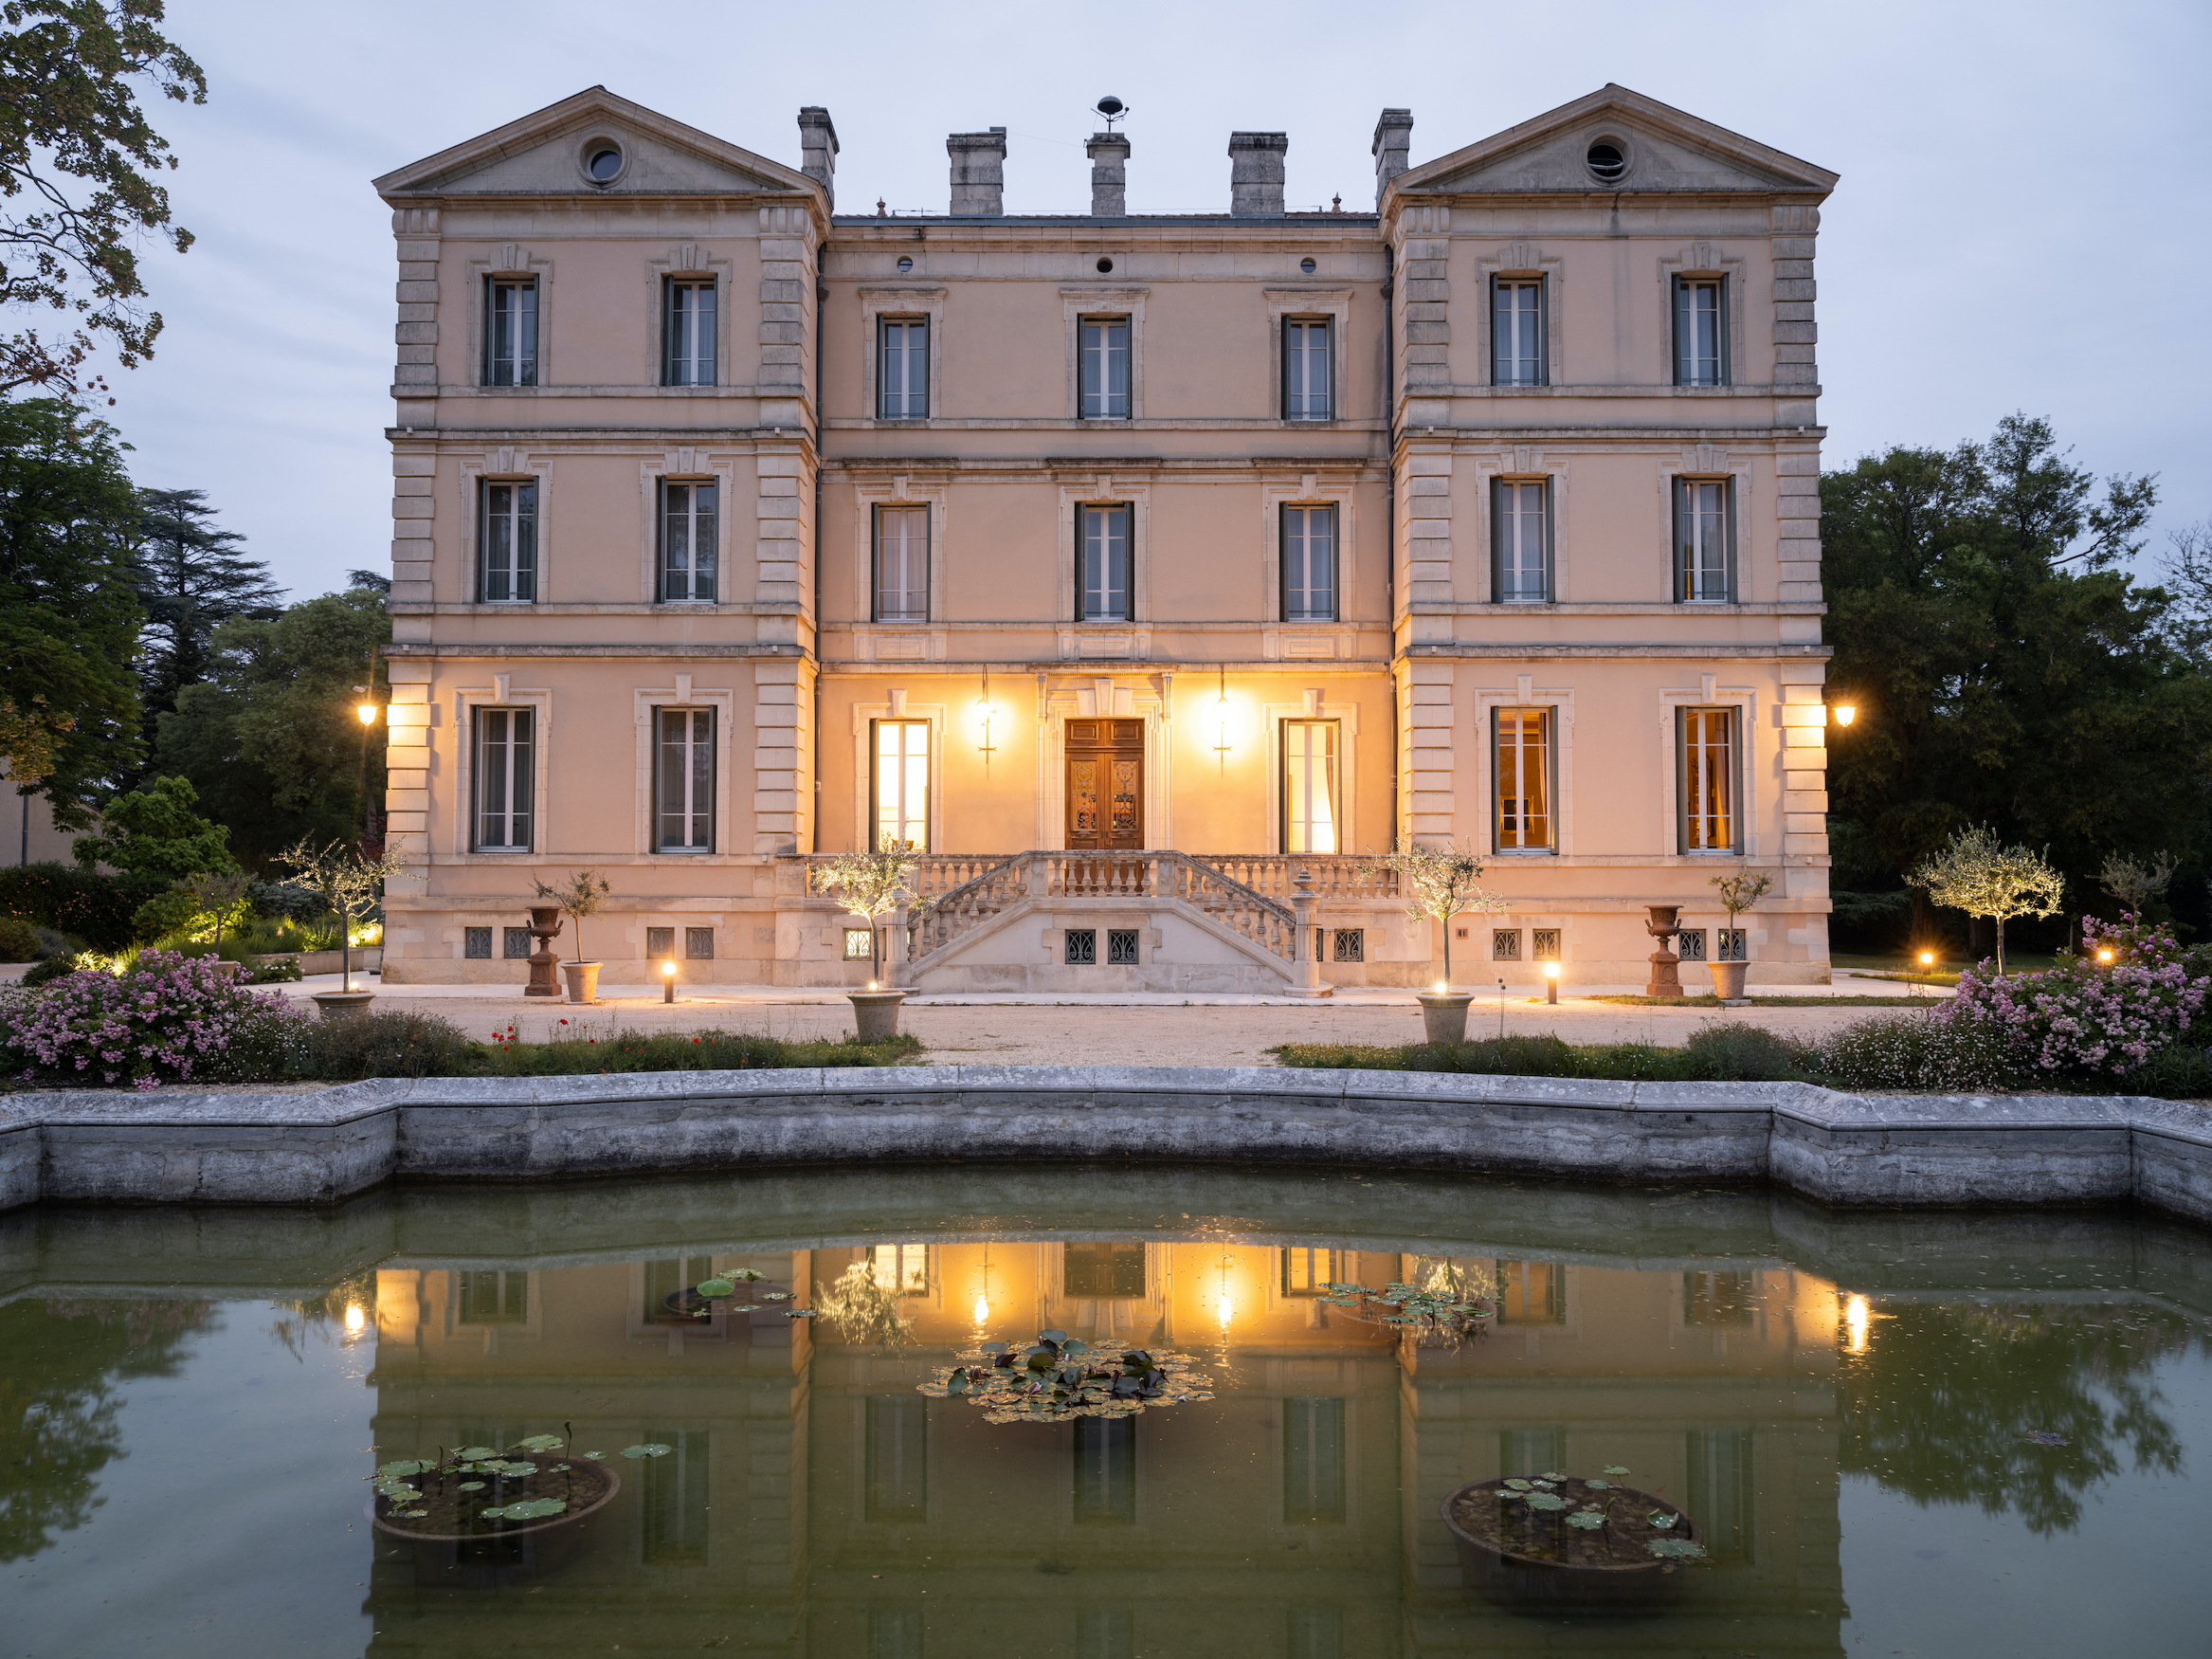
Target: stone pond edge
point(1904, 1152)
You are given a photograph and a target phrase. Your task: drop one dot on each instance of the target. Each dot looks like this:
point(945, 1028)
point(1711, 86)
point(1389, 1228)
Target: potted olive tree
point(1438, 883)
point(587, 890)
point(1738, 893)
point(347, 881)
point(872, 884)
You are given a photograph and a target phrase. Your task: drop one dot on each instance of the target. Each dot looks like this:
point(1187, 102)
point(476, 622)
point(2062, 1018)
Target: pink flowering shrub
point(167, 1019)
point(2090, 1017)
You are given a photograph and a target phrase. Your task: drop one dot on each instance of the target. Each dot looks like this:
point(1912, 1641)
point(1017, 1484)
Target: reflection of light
point(356, 1320)
point(982, 1311)
point(1223, 1310)
point(1855, 1324)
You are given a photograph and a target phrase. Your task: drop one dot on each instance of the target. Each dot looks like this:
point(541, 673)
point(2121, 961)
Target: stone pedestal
point(1666, 980)
point(545, 923)
point(1443, 1015)
point(1306, 972)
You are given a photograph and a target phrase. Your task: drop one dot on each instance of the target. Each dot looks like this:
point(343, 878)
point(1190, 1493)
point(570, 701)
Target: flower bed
point(167, 1019)
point(2087, 1015)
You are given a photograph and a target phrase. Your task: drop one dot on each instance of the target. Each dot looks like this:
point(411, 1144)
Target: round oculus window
point(1606, 160)
point(905, 263)
point(1105, 264)
point(1306, 266)
point(605, 163)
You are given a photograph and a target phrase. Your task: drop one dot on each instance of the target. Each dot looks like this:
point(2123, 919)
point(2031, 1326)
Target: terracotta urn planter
point(342, 1003)
point(1665, 980)
point(545, 925)
point(1443, 1015)
point(583, 979)
point(1728, 980)
point(875, 1013)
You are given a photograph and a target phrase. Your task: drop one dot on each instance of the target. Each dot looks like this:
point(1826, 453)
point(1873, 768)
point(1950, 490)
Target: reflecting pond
point(1927, 1435)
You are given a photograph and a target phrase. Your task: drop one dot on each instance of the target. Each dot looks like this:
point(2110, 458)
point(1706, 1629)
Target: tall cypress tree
point(193, 577)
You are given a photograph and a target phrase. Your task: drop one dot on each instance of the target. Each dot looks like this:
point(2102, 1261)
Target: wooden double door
point(1106, 785)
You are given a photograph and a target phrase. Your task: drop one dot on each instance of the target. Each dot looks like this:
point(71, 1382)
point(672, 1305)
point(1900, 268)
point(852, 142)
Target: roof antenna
point(1112, 109)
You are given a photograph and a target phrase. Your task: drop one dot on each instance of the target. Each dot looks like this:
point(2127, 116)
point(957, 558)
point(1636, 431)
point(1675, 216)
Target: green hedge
point(96, 908)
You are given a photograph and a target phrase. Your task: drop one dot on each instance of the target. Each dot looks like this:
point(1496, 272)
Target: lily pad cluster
point(723, 1288)
point(1589, 1505)
point(478, 1483)
point(1058, 1377)
point(1408, 1306)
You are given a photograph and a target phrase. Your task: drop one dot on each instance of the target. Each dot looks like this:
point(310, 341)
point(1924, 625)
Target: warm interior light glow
point(1845, 713)
point(368, 712)
point(982, 1311)
point(1855, 1322)
point(1223, 1310)
point(357, 1321)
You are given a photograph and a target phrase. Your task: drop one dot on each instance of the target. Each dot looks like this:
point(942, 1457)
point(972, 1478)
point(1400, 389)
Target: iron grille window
point(1351, 944)
point(1522, 745)
point(685, 790)
point(1505, 945)
point(1731, 944)
point(1544, 944)
point(1082, 949)
point(1705, 540)
point(476, 944)
point(1102, 563)
point(1309, 564)
point(687, 540)
point(508, 565)
point(1705, 770)
point(511, 331)
point(901, 783)
point(1516, 333)
point(660, 942)
point(860, 944)
point(1690, 944)
point(517, 946)
point(1700, 331)
point(1520, 541)
point(1307, 393)
point(504, 779)
point(1121, 947)
point(691, 334)
point(902, 564)
point(1102, 364)
point(902, 368)
point(699, 944)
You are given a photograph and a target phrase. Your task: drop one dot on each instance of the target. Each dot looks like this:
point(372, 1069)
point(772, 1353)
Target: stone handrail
point(935, 874)
point(1335, 876)
point(957, 910)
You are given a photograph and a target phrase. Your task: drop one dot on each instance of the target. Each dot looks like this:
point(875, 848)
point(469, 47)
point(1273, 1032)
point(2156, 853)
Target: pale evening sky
point(2023, 221)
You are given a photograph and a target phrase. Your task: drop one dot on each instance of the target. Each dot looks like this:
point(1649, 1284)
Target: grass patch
point(700, 1051)
point(1716, 1054)
point(1909, 979)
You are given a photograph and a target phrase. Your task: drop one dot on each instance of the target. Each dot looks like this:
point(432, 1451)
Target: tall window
point(1520, 539)
point(902, 564)
point(1313, 1461)
point(1102, 564)
point(897, 1459)
point(902, 1267)
point(1700, 331)
point(1103, 363)
point(1704, 539)
point(691, 334)
point(901, 783)
point(509, 561)
point(685, 789)
point(511, 331)
point(1309, 564)
point(678, 1498)
point(1310, 1273)
point(1308, 786)
point(902, 368)
point(1306, 369)
point(687, 540)
point(1524, 780)
point(504, 782)
point(1707, 770)
point(1516, 333)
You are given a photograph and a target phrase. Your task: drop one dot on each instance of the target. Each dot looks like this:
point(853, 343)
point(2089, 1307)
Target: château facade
point(1142, 571)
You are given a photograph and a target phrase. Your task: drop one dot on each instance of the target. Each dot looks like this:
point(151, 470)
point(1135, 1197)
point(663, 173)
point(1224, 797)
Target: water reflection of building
point(814, 1502)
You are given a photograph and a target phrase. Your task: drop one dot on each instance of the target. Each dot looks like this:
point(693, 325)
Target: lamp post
point(1551, 983)
point(668, 981)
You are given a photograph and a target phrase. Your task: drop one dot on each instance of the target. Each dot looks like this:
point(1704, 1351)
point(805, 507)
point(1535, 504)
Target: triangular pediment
point(1666, 150)
point(544, 154)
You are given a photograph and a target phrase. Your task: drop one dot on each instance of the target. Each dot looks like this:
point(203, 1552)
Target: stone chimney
point(1109, 153)
point(1255, 172)
point(818, 148)
point(1393, 143)
point(979, 170)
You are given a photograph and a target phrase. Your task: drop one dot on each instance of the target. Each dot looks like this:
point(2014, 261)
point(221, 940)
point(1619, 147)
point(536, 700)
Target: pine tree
point(193, 577)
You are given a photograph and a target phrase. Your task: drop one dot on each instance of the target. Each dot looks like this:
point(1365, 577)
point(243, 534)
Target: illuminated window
point(1731, 944)
point(860, 944)
point(1308, 1273)
point(1705, 771)
point(904, 1269)
point(1532, 1293)
point(1310, 787)
point(1522, 738)
point(901, 783)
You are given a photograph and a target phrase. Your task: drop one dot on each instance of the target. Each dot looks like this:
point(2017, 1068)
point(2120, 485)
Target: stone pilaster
point(414, 511)
point(1797, 507)
point(407, 763)
point(1423, 294)
point(1425, 718)
point(414, 374)
point(783, 749)
point(787, 317)
point(1797, 376)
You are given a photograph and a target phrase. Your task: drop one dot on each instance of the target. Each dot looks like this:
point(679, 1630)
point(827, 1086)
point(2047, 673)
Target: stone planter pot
point(583, 979)
point(339, 1004)
point(1443, 1015)
point(1728, 980)
point(875, 1013)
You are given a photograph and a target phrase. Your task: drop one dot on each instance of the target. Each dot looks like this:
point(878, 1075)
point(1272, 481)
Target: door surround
point(1063, 697)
